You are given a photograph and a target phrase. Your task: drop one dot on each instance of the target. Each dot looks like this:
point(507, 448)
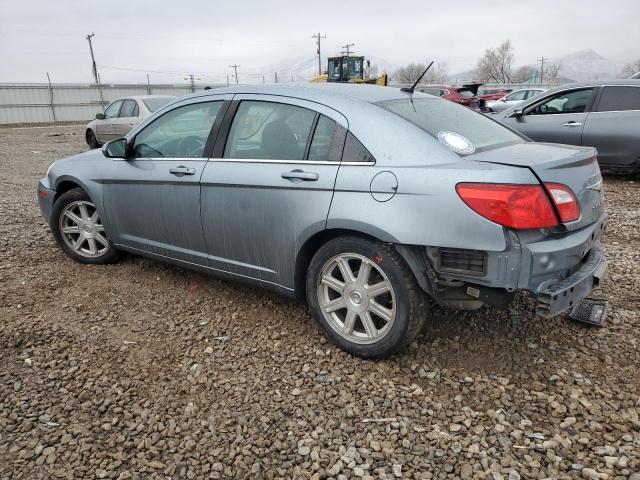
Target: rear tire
point(365, 297)
point(78, 229)
point(92, 141)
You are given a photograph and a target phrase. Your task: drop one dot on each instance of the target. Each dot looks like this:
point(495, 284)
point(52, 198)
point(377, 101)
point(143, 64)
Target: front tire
point(78, 229)
point(364, 297)
point(92, 141)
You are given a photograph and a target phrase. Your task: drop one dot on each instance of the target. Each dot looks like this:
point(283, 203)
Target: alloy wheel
point(356, 298)
point(82, 229)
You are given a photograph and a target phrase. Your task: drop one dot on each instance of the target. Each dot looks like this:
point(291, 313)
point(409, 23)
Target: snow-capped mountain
point(585, 65)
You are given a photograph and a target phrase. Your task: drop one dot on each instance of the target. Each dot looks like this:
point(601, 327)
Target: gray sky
point(205, 37)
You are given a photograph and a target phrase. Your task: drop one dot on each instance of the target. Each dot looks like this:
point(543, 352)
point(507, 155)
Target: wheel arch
point(411, 254)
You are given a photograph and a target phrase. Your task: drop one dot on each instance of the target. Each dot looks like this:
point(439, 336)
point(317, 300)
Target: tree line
point(495, 66)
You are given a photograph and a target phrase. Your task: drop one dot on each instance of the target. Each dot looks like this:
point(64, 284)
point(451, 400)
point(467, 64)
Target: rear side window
point(322, 138)
point(515, 96)
point(128, 108)
point(445, 120)
point(619, 98)
point(354, 151)
point(267, 130)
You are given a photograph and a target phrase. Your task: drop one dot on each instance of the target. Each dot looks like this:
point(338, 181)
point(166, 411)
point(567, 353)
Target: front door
point(556, 119)
point(105, 129)
point(269, 187)
point(127, 119)
point(152, 200)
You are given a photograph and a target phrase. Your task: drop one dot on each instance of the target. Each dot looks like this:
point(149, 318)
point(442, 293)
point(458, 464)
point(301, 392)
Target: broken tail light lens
point(511, 205)
point(566, 203)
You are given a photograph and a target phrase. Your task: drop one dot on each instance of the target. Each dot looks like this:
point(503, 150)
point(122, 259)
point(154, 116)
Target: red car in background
point(465, 95)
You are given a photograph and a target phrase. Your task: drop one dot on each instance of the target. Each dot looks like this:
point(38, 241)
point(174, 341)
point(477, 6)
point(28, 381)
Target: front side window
point(128, 108)
point(179, 133)
point(565, 102)
point(443, 119)
point(616, 99)
point(267, 130)
point(113, 109)
point(533, 93)
point(322, 138)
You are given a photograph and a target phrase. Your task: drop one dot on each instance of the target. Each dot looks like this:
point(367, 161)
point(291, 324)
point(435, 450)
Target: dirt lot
point(141, 370)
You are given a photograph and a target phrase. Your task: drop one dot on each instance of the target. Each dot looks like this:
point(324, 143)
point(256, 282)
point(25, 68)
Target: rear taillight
point(565, 200)
point(511, 205)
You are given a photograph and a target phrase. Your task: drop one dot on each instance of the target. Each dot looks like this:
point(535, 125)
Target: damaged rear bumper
point(570, 291)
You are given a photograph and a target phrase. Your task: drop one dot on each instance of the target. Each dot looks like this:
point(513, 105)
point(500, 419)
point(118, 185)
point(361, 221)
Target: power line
point(235, 69)
point(346, 48)
point(318, 37)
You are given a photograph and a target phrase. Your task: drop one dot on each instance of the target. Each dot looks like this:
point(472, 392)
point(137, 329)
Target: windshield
point(154, 104)
point(445, 120)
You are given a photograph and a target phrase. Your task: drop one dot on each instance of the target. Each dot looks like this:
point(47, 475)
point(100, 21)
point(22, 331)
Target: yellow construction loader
point(349, 69)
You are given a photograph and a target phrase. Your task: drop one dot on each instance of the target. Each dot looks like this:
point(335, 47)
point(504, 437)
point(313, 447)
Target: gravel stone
point(135, 374)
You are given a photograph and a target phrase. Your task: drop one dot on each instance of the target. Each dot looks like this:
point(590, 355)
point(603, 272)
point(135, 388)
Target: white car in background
point(121, 116)
point(514, 98)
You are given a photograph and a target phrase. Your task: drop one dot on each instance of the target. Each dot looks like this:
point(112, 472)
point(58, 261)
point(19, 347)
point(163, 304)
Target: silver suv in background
point(121, 116)
point(603, 114)
point(513, 99)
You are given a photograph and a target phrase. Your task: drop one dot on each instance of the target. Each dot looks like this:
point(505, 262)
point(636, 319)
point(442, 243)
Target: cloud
point(204, 37)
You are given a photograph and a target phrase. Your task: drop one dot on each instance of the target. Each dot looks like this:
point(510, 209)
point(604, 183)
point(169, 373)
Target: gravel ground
point(142, 370)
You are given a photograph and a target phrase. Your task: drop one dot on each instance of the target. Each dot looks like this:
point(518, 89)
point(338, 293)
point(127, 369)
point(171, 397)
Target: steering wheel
point(190, 147)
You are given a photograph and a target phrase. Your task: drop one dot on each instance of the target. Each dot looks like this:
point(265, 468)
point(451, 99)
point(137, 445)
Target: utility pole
point(542, 60)
point(275, 76)
point(93, 60)
point(346, 48)
point(148, 85)
point(53, 109)
point(192, 81)
point(96, 77)
point(318, 37)
point(235, 69)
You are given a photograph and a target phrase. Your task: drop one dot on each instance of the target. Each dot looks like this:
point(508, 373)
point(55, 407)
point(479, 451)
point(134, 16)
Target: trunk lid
point(575, 167)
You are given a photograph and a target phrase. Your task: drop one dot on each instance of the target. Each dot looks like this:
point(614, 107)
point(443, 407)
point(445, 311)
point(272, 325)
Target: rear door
point(269, 186)
point(614, 126)
point(105, 129)
point(127, 118)
point(558, 118)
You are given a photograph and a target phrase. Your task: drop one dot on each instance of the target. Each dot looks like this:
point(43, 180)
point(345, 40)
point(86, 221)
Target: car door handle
point(181, 170)
point(572, 124)
point(294, 175)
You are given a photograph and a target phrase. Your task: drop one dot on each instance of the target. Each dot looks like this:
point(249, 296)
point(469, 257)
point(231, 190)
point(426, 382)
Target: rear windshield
point(439, 118)
point(466, 93)
point(154, 104)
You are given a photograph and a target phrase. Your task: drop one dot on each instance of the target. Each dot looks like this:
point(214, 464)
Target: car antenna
point(413, 87)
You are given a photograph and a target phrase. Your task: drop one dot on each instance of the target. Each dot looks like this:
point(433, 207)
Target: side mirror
point(99, 116)
point(116, 149)
point(519, 112)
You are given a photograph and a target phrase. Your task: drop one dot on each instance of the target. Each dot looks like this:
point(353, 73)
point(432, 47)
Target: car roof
point(330, 94)
point(144, 97)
